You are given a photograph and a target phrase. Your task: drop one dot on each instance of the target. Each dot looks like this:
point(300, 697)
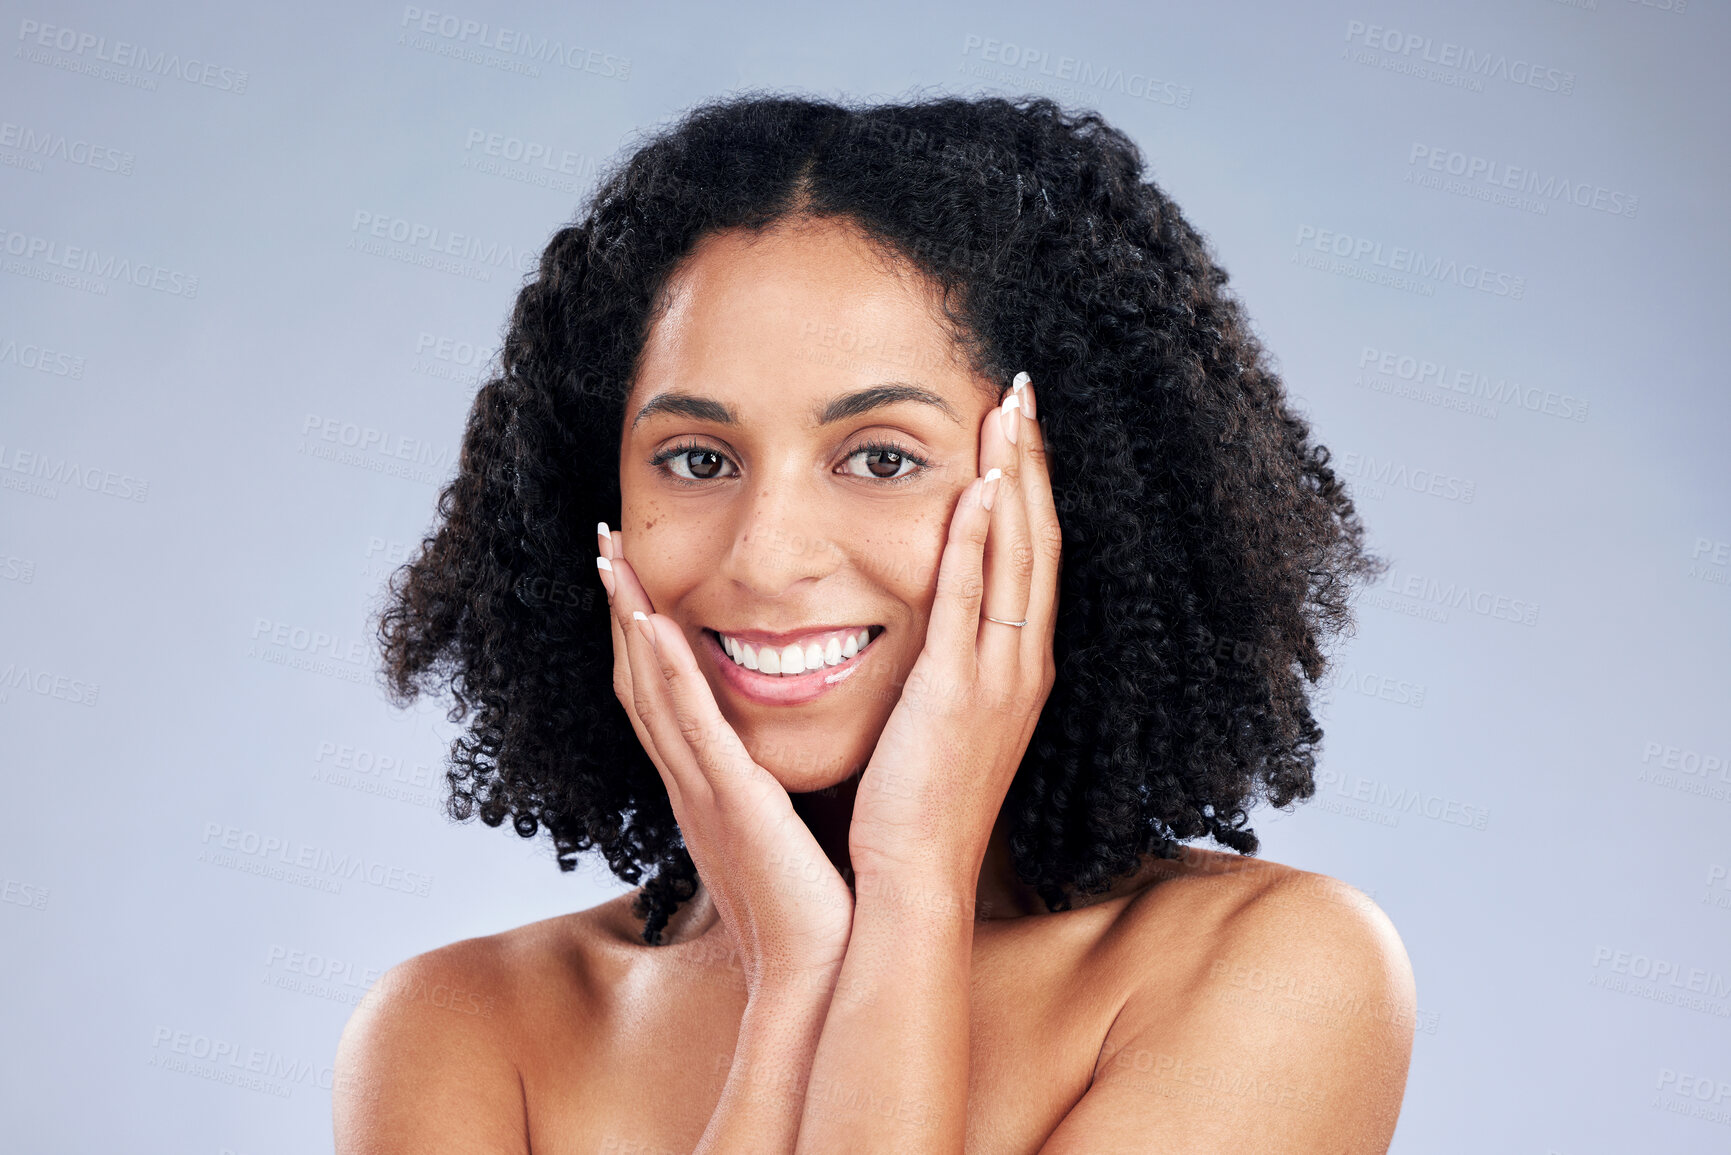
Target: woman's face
point(804, 488)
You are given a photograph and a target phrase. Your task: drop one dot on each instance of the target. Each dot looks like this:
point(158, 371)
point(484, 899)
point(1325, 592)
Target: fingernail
point(606, 568)
point(1011, 419)
point(642, 620)
point(1024, 387)
point(989, 491)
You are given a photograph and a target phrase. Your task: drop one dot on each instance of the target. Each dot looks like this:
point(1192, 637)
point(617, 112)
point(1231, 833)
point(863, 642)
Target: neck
point(828, 813)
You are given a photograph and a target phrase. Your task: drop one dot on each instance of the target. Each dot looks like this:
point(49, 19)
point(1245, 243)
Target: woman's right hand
point(776, 891)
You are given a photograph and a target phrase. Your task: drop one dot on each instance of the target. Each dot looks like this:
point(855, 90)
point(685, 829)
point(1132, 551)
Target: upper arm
point(423, 1067)
point(1293, 1035)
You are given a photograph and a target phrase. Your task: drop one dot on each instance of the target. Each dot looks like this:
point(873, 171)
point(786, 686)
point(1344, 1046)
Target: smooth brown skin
point(1200, 1003)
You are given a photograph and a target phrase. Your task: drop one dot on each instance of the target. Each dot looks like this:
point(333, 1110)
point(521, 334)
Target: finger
point(624, 690)
point(1044, 534)
point(712, 745)
point(1009, 554)
point(651, 700)
point(952, 631)
point(634, 670)
point(617, 617)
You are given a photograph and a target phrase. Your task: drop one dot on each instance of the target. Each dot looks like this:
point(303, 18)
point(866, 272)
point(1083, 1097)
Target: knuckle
point(960, 585)
point(622, 683)
point(693, 730)
point(968, 589)
point(1051, 538)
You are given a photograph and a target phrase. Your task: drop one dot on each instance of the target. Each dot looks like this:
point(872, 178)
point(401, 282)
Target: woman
point(969, 560)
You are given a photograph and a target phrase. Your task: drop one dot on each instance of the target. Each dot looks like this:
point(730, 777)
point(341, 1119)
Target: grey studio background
point(255, 258)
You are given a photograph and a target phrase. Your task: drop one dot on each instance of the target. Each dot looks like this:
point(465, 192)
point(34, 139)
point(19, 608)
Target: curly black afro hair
point(1209, 551)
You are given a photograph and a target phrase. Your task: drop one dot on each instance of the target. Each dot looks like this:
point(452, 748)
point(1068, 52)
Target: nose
point(781, 537)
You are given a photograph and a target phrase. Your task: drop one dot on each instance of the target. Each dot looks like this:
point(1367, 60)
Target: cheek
point(901, 554)
point(664, 548)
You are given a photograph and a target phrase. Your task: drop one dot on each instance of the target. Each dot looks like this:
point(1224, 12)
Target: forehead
point(794, 314)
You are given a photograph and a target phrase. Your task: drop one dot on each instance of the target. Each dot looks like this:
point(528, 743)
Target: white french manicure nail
point(1021, 380)
point(639, 616)
point(603, 563)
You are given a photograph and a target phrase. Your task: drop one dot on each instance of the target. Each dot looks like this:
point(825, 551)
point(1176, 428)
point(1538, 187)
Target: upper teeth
point(796, 658)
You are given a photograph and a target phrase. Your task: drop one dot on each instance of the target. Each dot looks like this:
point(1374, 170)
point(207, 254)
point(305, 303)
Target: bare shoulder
point(1271, 1008)
point(432, 1058)
point(1255, 906)
point(1241, 908)
point(1319, 942)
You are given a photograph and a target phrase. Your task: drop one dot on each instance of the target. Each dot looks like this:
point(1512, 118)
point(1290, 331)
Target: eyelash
point(660, 459)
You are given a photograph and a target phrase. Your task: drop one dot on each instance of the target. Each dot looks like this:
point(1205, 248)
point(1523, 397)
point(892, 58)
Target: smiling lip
point(782, 689)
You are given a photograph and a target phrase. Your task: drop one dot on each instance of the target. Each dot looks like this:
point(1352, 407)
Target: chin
point(806, 780)
point(807, 754)
point(804, 768)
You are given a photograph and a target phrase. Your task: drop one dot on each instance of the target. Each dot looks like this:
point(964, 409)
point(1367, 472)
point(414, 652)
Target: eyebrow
point(825, 413)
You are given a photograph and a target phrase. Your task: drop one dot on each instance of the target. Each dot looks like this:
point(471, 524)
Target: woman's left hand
point(930, 795)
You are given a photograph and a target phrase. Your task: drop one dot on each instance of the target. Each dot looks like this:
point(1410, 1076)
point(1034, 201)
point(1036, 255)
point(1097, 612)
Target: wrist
point(930, 855)
point(930, 892)
point(793, 990)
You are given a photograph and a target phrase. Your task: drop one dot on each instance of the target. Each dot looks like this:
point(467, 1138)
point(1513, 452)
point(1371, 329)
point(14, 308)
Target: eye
point(885, 462)
point(881, 456)
point(701, 462)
